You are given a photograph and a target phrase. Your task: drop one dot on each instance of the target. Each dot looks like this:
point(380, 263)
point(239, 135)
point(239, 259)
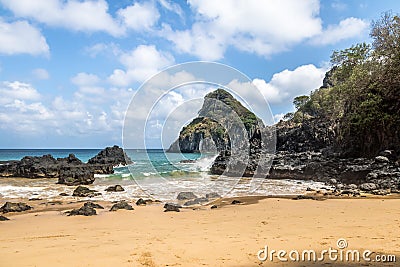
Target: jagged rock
point(236, 202)
point(93, 205)
point(115, 188)
point(381, 159)
point(111, 156)
point(3, 218)
point(140, 202)
point(76, 175)
point(171, 207)
point(14, 207)
point(212, 195)
point(85, 210)
point(69, 170)
point(368, 187)
point(82, 191)
point(186, 196)
point(196, 201)
point(121, 205)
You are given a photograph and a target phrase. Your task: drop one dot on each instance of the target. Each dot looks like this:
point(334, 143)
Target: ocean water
point(153, 174)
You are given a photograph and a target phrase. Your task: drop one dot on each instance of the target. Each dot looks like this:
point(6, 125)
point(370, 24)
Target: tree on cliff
point(364, 101)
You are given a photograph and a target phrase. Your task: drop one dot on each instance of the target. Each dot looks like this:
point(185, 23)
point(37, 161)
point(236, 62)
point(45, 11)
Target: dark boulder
point(140, 202)
point(111, 156)
point(115, 188)
point(76, 175)
point(186, 196)
point(172, 207)
point(235, 201)
point(85, 210)
point(3, 218)
point(14, 207)
point(93, 205)
point(121, 205)
point(82, 191)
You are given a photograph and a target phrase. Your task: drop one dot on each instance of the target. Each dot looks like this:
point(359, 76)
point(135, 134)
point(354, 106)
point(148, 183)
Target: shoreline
point(229, 235)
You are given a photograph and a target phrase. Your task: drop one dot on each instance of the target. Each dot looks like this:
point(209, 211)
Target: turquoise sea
point(153, 174)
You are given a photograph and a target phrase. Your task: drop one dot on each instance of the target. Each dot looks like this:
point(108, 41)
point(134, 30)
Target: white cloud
point(140, 64)
point(347, 28)
point(20, 37)
point(171, 6)
point(24, 110)
point(278, 117)
point(17, 90)
point(287, 84)
point(87, 16)
point(139, 16)
point(260, 27)
point(41, 74)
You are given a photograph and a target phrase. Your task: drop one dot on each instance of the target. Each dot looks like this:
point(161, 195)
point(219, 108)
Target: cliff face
point(220, 119)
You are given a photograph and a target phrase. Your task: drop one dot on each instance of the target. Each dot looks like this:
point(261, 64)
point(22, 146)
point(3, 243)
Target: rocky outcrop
point(14, 207)
point(3, 218)
point(82, 191)
point(220, 119)
point(69, 170)
point(172, 207)
point(311, 135)
point(121, 205)
point(225, 126)
point(110, 156)
point(76, 175)
point(115, 188)
point(88, 209)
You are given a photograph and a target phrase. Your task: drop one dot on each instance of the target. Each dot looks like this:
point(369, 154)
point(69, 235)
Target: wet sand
point(230, 235)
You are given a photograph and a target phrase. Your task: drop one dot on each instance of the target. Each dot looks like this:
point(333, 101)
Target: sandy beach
point(230, 235)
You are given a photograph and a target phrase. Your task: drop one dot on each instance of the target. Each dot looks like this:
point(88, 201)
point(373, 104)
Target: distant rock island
point(69, 170)
point(226, 127)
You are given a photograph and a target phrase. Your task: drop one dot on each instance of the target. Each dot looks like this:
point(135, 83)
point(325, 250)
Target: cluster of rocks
point(305, 153)
point(89, 208)
point(69, 170)
point(190, 199)
point(13, 207)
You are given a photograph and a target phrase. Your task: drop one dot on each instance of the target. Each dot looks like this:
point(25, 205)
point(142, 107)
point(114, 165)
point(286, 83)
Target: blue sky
point(68, 69)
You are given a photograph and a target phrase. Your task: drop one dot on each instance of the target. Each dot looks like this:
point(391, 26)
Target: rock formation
point(69, 170)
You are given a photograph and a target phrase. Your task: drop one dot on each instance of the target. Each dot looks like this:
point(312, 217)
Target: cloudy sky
point(69, 68)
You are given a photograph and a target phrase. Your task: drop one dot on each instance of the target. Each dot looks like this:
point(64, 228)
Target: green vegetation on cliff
point(361, 93)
